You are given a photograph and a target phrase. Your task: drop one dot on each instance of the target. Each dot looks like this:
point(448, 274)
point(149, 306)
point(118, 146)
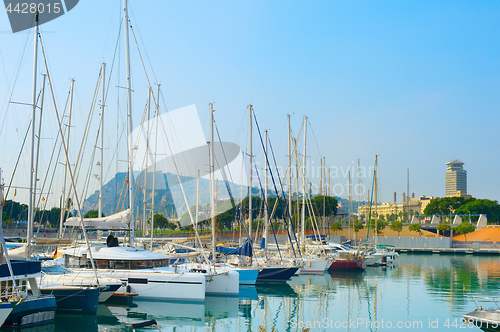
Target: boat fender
point(127, 288)
point(18, 299)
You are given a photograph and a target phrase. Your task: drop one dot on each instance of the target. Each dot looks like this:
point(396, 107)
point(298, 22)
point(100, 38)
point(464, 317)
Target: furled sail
point(119, 220)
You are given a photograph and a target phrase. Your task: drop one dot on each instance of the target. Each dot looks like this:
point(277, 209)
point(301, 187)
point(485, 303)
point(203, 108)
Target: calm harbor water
point(421, 293)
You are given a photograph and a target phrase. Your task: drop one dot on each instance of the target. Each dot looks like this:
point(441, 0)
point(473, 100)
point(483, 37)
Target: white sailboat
point(18, 307)
point(221, 279)
point(143, 272)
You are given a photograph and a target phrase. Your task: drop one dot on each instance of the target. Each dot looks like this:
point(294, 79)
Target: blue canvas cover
point(244, 250)
point(21, 267)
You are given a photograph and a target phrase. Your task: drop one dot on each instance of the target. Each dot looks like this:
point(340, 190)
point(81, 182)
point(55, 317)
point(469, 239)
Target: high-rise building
point(456, 179)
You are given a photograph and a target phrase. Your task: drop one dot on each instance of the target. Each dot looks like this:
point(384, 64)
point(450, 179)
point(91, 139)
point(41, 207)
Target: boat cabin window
point(7, 290)
point(130, 265)
point(55, 270)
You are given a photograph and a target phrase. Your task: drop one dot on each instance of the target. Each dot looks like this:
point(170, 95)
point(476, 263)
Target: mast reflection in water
point(421, 293)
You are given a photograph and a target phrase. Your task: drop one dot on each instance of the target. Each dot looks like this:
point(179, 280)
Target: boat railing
point(474, 297)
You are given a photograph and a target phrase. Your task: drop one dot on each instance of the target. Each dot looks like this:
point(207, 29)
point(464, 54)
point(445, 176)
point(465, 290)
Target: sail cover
point(244, 250)
point(120, 220)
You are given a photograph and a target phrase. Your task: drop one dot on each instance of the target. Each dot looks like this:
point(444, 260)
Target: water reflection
point(279, 289)
point(420, 288)
point(177, 314)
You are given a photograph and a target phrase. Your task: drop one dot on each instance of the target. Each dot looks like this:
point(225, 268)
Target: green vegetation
point(444, 206)
point(336, 226)
point(227, 219)
point(380, 225)
point(357, 225)
point(92, 214)
point(460, 205)
point(162, 223)
point(481, 206)
point(464, 228)
point(329, 204)
point(443, 228)
point(396, 226)
point(415, 228)
point(14, 211)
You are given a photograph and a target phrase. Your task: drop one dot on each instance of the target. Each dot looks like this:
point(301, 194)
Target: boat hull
point(347, 264)
point(486, 320)
point(107, 292)
point(159, 285)
point(225, 284)
point(247, 276)
point(5, 310)
point(372, 260)
point(314, 266)
point(276, 274)
point(32, 312)
point(73, 299)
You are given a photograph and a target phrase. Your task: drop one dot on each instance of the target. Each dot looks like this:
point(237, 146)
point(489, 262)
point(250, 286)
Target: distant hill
point(115, 195)
point(167, 190)
point(115, 192)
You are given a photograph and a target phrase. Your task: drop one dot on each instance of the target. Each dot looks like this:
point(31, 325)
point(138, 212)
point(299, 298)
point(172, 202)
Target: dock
point(450, 251)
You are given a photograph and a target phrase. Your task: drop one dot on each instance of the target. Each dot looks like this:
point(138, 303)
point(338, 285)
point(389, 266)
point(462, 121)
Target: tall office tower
point(456, 178)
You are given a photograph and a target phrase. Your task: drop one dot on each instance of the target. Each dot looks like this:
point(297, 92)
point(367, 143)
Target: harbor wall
point(415, 242)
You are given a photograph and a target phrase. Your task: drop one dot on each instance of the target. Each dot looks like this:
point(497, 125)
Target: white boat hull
point(159, 285)
point(312, 266)
point(219, 281)
point(5, 310)
point(224, 283)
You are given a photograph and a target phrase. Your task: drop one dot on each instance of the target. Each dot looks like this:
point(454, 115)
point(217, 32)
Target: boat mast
point(350, 205)
point(103, 70)
point(32, 164)
point(266, 213)
point(321, 177)
point(154, 165)
point(328, 192)
point(358, 199)
point(323, 193)
point(197, 201)
point(145, 190)
point(303, 223)
point(289, 171)
point(250, 174)
point(407, 193)
point(376, 203)
point(4, 250)
point(129, 126)
point(37, 158)
point(63, 196)
point(212, 168)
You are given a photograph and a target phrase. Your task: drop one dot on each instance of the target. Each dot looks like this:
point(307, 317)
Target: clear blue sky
point(415, 82)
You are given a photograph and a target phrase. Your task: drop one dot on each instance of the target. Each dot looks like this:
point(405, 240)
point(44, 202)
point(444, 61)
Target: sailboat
point(272, 269)
point(18, 307)
point(315, 260)
point(143, 272)
point(220, 280)
point(378, 255)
